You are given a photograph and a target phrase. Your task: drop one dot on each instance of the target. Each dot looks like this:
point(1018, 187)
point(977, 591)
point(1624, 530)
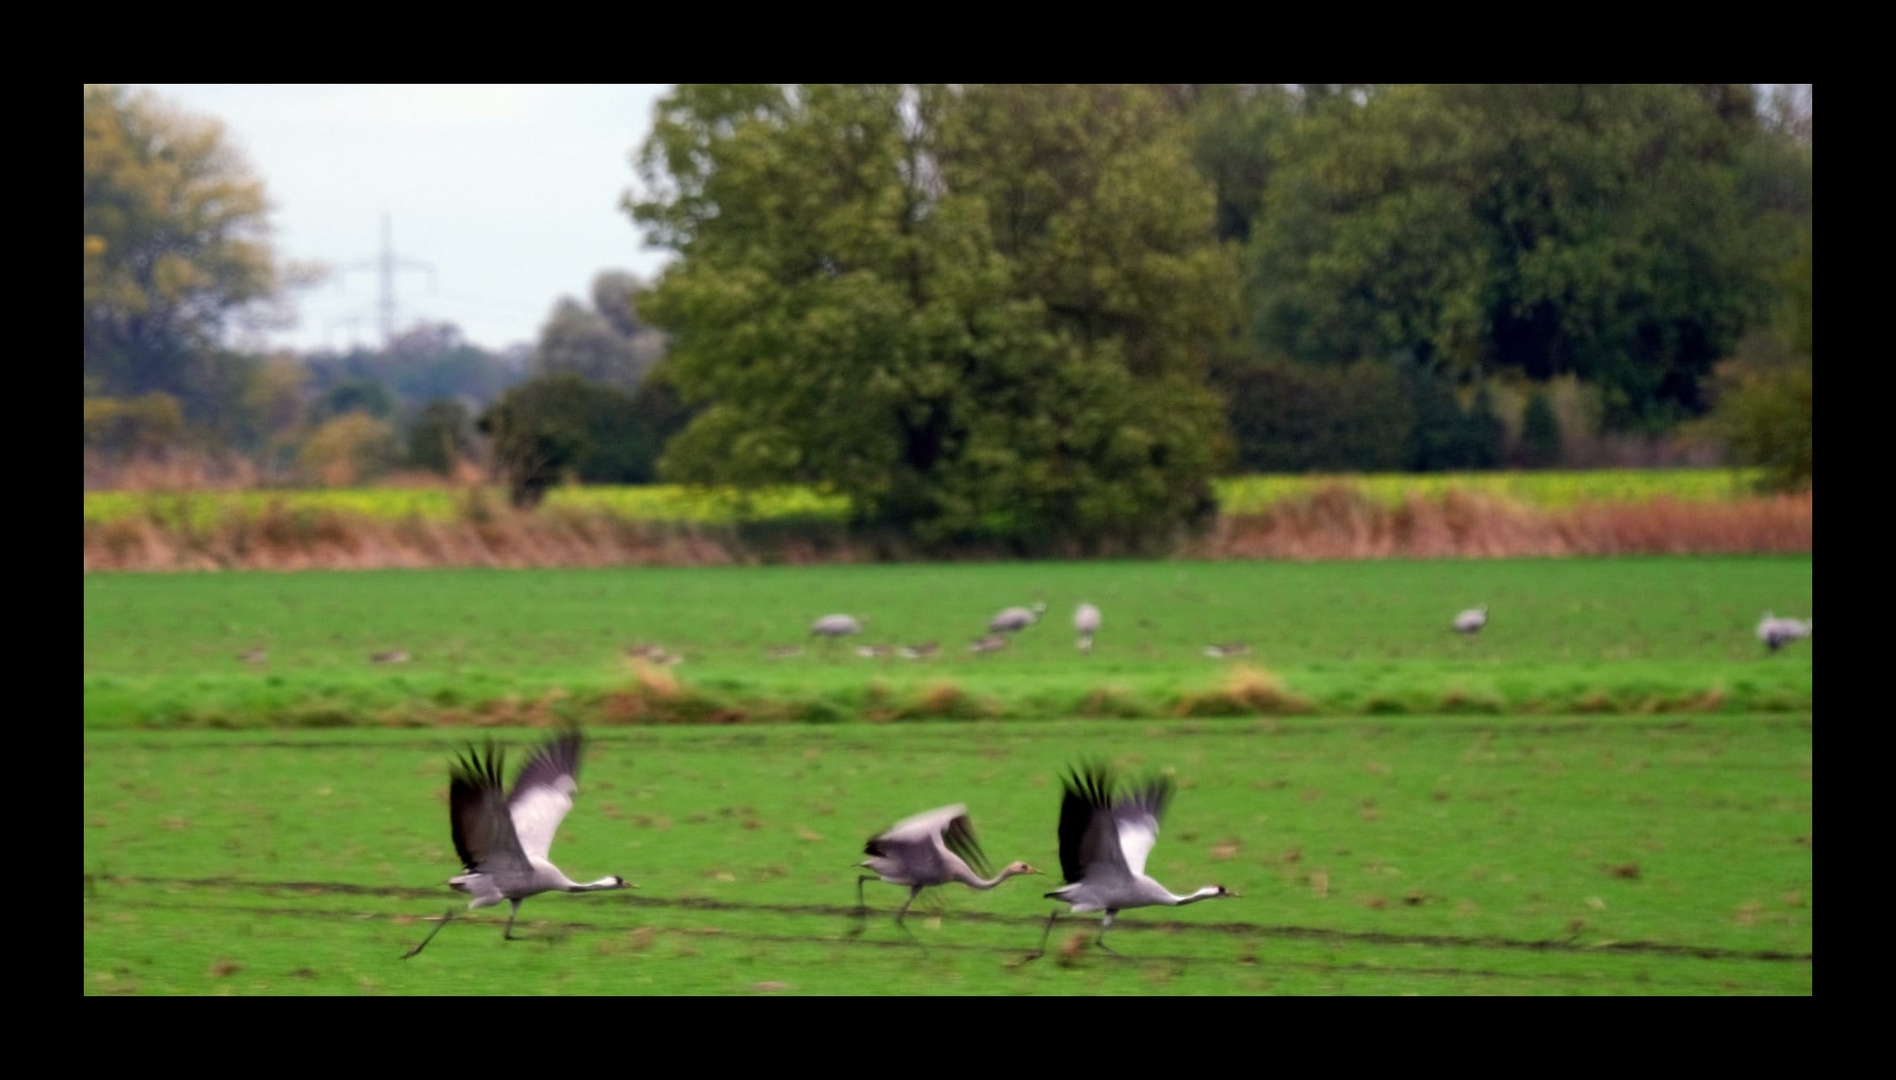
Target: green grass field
point(1606, 854)
point(1627, 635)
point(1402, 810)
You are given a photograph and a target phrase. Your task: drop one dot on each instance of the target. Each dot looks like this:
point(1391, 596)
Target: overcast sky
point(511, 193)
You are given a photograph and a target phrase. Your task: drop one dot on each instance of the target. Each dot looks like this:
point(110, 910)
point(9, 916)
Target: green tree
point(176, 248)
point(1763, 393)
point(553, 426)
point(1540, 432)
point(981, 313)
point(442, 434)
point(607, 343)
point(1613, 232)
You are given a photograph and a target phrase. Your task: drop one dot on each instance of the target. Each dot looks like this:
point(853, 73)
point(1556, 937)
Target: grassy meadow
point(1388, 855)
point(1608, 791)
point(527, 646)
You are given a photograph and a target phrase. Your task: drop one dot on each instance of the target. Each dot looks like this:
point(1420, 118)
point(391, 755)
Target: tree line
point(1029, 314)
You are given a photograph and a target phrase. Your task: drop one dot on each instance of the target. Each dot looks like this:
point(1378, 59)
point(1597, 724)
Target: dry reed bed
point(1332, 523)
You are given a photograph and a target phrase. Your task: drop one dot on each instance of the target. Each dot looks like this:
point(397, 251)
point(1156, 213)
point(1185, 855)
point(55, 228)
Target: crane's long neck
point(1205, 893)
point(975, 882)
point(613, 882)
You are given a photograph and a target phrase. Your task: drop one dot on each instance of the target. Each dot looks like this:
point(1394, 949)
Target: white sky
point(511, 193)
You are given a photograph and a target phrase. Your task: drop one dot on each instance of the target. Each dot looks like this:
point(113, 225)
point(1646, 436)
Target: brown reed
point(1334, 522)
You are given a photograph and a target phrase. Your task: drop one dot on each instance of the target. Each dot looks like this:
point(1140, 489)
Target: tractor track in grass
point(1304, 933)
point(548, 931)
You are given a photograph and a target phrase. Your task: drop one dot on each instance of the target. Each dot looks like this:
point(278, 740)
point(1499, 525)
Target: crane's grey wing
point(544, 793)
point(484, 834)
point(917, 840)
point(959, 837)
point(1137, 816)
point(1089, 837)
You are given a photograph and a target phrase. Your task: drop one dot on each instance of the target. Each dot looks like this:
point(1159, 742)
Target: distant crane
point(835, 627)
point(1472, 620)
point(919, 652)
point(932, 848)
point(1104, 841)
point(1015, 618)
point(1775, 632)
point(1227, 650)
point(1086, 623)
point(393, 656)
point(988, 644)
point(503, 839)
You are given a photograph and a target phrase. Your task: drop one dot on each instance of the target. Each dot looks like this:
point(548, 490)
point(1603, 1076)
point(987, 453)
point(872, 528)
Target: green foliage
point(1447, 436)
point(607, 344)
point(147, 424)
point(978, 313)
point(554, 425)
point(441, 435)
point(349, 449)
point(1614, 232)
point(358, 395)
point(1540, 432)
point(425, 363)
point(176, 247)
point(1291, 417)
point(1764, 409)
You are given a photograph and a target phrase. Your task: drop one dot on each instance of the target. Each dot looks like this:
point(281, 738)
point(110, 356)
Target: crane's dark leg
point(508, 934)
point(424, 941)
point(914, 891)
point(1042, 950)
point(862, 907)
point(1101, 939)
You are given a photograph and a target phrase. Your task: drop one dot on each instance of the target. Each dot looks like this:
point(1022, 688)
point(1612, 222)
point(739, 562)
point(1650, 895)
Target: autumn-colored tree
point(176, 248)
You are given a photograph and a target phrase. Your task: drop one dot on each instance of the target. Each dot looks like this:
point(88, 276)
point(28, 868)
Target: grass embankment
point(1448, 515)
point(1352, 638)
point(1612, 855)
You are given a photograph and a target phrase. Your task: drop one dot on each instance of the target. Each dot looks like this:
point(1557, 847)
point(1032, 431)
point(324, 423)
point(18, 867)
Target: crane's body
point(503, 839)
point(933, 848)
point(1015, 618)
point(1104, 841)
point(1775, 632)
point(834, 628)
point(1472, 620)
point(988, 644)
point(1086, 624)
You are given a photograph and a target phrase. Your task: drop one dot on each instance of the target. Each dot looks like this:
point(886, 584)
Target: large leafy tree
point(1624, 234)
point(982, 313)
point(176, 246)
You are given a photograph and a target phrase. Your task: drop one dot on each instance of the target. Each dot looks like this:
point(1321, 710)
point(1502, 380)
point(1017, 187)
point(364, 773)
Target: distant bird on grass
point(988, 644)
point(1472, 620)
point(919, 652)
point(875, 652)
point(254, 656)
point(393, 656)
point(1015, 618)
point(1227, 650)
point(1104, 841)
point(934, 848)
point(1086, 624)
point(835, 627)
point(503, 839)
point(1776, 632)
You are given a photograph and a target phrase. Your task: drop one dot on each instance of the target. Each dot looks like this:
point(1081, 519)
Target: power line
point(386, 265)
